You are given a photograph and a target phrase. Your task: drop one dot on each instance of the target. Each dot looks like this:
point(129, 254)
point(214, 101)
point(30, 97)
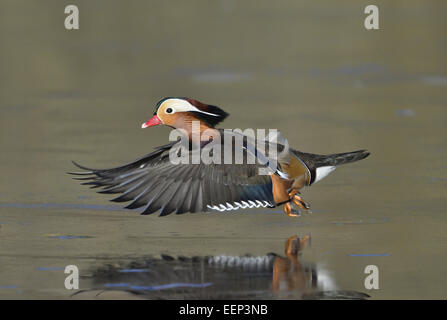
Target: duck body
point(229, 173)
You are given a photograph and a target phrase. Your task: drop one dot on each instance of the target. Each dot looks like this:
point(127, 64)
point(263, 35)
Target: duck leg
point(298, 201)
point(290, 211)
point(281, 195)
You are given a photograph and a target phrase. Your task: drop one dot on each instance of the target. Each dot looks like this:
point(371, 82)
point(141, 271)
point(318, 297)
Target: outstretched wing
point(155, 183)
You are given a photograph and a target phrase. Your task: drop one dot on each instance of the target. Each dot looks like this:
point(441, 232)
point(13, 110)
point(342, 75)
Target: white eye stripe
point(211, 114)
point(179, 105)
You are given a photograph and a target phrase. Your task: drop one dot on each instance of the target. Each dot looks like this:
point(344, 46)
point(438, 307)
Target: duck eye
point(169, 110)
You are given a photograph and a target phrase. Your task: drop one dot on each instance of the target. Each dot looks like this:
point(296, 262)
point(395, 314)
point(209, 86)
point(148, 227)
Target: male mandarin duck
point(157, 183)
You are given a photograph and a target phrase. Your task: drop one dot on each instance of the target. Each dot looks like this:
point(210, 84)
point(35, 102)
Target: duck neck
point(197, 131)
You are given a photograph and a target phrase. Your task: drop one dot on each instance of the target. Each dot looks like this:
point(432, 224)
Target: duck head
point(179, 113)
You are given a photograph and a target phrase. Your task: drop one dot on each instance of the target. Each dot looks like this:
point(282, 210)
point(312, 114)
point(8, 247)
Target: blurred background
point(309, 69)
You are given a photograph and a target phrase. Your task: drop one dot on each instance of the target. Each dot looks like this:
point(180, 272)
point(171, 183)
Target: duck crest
point(213, 116)
point(209, 114)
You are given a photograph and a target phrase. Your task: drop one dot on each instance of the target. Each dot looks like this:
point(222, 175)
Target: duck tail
point(341, 158)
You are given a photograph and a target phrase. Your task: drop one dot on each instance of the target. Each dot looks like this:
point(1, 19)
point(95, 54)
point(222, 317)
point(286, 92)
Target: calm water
point(309, 70)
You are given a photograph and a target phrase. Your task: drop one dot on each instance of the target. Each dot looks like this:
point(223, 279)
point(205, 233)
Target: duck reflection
point(289, 274)
point(270, 276)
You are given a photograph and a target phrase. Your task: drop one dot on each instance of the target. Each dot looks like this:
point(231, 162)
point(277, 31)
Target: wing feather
point(154, 183)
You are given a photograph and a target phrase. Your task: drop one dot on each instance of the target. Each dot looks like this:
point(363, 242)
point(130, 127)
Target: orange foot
point(301, 204)
point(288, 209)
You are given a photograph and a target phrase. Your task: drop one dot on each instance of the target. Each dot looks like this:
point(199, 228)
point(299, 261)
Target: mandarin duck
point(157, 183)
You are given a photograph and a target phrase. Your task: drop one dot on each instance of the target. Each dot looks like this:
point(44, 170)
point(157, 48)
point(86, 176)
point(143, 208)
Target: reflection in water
point(221, 277)
point(290, 275)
